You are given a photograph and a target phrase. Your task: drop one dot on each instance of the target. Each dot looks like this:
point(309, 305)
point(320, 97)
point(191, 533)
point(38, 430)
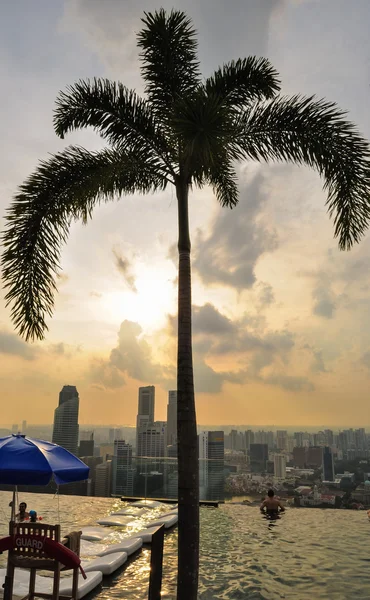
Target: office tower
point(280, 466)
point(314, 456)
point(86, 447)
point(327, 464)
point(270, 439)
point(233, 439)
point(249, 438)
point(24, 426)
point(300, 456)
point(258, 457)
point(172, 418)
point(145, 411)
point(360, 439)
point(282, 440)
point(151, 439)
point(298, 439)
point(65, 431)
point(211, 465)
point(329, 437)
point(92, 462)
point(103, 476)
point(122, 469)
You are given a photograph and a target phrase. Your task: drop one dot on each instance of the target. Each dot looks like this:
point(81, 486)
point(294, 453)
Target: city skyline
point(279, 312)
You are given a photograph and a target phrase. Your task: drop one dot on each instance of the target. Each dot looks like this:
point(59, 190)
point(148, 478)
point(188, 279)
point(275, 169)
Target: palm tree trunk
point(187, 439)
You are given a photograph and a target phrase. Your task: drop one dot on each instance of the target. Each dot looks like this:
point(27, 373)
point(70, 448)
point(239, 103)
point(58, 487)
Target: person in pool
point(271, 506)
point(33, 516)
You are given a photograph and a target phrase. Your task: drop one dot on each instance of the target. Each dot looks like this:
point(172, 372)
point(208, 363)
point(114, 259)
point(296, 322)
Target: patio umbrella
point(27, 461)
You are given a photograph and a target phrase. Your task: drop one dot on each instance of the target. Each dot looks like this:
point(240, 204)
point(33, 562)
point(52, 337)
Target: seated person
point(271, 505)
point(22, 515)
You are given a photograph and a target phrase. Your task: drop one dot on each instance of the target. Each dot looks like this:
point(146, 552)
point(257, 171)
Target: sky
point(281, 316)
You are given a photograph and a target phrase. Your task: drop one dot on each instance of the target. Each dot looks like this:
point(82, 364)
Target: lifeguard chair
point(29, 552)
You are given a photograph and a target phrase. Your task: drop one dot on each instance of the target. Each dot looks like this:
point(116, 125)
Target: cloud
point(256, 354)
point(124, 266)
point(94, 294)
point(104, 375)
point(324, 302)
point(365, 359)
point(110, 29)
point(266, 295)
point(229, 254)
point(289, 382)
point(11, 344)
point(59, 349)
point(132, 356)
point(318, 364)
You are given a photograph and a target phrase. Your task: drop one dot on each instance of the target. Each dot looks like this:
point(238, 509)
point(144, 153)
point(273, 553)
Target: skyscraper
point(327, 464)
point(280, 466)
point(103, 475)
point(282, 440)
point(86, 446)
point(151, 439)
point(122, 469)
point(172, 418)
point(145, 410)
point(211, 465)
point(259, 454)
point(65, 430)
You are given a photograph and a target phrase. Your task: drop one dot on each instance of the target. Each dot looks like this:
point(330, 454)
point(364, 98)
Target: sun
point(154, 299)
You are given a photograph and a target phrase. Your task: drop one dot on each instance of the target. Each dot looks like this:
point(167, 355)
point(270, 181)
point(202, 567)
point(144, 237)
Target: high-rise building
point(329, 437)
point(249, 438)
point(172, 418)
point(151, 439)
point(86, 446)
point(282, 440)
point(92, 462)
point(145, 411)
point(314, 456)
point(24, 426)
point(211, 465)
point(65, 431)
point(327, 464)
point(103, 476)
point(122, 469)
point(300, 456)
point(280, 466)
point(259, 454)
point(298, 439)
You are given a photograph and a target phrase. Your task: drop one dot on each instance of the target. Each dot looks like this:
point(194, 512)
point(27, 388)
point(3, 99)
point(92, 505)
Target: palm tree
point(187, 132)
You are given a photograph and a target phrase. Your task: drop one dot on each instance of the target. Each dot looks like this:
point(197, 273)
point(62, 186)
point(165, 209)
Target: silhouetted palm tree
point(187, 132)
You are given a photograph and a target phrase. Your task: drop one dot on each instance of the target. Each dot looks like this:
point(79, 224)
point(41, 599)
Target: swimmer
point(271, 506)
point(33, 516)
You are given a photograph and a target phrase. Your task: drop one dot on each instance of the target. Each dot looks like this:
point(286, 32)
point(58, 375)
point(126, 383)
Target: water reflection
point(305, 554)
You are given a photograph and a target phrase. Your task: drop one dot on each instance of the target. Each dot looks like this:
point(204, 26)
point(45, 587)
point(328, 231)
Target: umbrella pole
point(8, 581)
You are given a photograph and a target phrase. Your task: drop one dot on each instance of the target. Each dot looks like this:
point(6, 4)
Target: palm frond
point(204, 125)
point(223, 179)
point(170, 64)
point(118, 114)
point(65, 188)
point(316, 133)
point(245, 80)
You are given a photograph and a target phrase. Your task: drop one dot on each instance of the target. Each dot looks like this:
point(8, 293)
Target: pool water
point(307, 554)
